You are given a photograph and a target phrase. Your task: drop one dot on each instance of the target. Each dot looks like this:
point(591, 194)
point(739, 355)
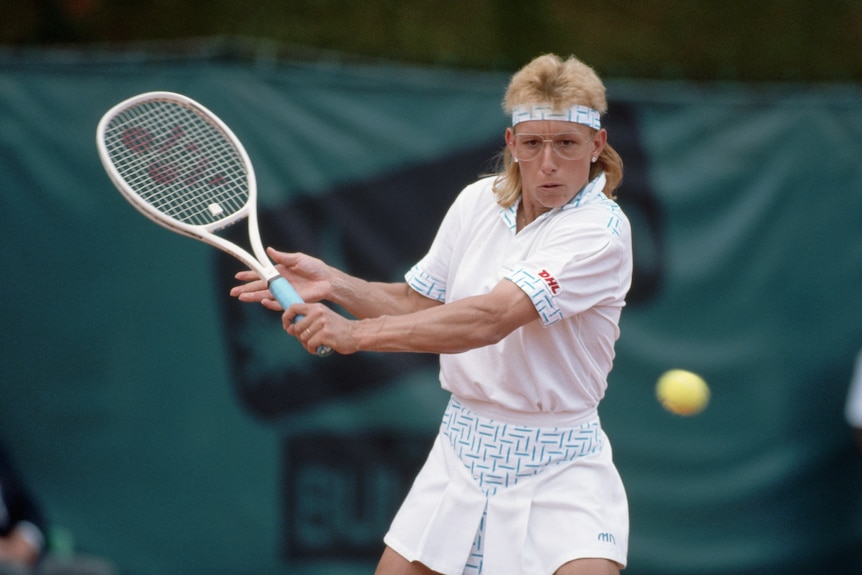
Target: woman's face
point(554, 158)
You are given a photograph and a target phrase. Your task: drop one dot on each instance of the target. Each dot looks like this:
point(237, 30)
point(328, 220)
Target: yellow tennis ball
point(682, 392)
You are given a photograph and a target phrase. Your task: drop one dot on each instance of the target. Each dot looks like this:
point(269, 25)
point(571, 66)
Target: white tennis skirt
point(502, 499)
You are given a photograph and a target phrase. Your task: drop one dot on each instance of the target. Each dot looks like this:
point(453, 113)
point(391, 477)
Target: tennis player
point(520, 294)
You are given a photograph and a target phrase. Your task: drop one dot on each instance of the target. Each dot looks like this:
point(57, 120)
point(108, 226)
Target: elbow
point(490, 330)
point(480, 334)
point(493, 335)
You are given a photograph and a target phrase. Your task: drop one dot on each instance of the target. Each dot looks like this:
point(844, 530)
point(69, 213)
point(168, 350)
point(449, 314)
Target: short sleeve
point(430, 275)
point(584, 264)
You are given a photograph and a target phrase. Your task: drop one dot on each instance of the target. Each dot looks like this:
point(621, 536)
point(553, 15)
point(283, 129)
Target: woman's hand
point(309, 277)
point(320, 326)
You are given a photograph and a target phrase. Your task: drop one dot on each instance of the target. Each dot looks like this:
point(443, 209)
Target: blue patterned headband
point(578, 114)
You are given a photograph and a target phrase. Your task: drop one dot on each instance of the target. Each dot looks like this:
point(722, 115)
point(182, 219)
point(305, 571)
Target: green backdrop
point(174, 432)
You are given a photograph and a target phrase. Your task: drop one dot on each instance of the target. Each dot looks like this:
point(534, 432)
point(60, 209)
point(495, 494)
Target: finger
point(311, 341)
point(282, 258)
point(244, 292)
point(293, 322)
point(252, 287)
point(246, 275)
point(288, 325)
point(254, 295)
point(271, 304)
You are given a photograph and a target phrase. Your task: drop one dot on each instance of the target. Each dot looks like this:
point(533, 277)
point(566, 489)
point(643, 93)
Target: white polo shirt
point(574, 262)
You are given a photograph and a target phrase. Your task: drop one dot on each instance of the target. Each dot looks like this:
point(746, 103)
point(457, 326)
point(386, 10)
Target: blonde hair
point(550, 80)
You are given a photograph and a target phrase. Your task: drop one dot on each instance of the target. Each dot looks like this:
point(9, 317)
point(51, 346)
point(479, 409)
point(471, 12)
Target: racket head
point(182, 167)
point(177, 161)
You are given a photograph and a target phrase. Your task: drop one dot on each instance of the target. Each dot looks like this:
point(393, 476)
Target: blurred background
point(762, 40)
point(162, 429)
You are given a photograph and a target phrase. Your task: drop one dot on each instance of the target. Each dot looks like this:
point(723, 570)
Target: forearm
point(428, 331)
point(456, 327)
point(364, 299)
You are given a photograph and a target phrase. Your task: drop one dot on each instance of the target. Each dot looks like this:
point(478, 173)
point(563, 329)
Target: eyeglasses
point(567, 145)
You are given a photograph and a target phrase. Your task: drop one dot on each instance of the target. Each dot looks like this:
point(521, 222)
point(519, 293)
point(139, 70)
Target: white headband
point(578, 114)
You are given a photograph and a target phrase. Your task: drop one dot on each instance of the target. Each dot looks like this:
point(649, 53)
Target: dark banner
point(172, 430)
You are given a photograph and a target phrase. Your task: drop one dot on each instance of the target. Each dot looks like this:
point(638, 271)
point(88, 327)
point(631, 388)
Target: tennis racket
point(183, 168)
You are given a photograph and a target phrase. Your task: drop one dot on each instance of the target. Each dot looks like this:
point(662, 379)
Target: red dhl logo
point(549, 279)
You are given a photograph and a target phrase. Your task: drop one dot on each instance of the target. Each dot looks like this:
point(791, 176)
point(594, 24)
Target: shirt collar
point(596, 185)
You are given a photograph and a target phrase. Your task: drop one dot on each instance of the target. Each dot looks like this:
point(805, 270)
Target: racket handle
point(286, 296)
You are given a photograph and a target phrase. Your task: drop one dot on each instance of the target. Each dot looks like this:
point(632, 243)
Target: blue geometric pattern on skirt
point(499, 454)
point(477, 553)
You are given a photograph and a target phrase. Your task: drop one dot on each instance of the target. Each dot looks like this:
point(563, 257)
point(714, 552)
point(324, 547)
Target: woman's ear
point(510, 139)
point(599, 141)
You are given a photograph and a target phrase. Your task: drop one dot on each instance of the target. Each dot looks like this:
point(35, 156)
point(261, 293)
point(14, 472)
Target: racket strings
point(178, 161)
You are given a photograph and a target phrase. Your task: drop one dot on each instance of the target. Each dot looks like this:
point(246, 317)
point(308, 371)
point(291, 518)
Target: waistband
point(530, 418)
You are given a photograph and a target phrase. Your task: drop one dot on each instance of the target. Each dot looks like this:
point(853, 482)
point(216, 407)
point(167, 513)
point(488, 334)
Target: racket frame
point(259, 262)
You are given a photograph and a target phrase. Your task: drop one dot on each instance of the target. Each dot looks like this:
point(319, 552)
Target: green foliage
point(756, 40)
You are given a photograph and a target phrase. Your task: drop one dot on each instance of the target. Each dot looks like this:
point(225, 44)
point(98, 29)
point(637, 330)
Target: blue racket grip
point(287, 296)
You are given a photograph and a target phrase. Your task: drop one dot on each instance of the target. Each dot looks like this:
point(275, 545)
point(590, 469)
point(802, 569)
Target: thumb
point(282, 258)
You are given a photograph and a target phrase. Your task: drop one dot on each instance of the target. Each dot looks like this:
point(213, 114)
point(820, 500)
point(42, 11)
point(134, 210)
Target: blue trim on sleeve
point(539, 293)
point(426, 284)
